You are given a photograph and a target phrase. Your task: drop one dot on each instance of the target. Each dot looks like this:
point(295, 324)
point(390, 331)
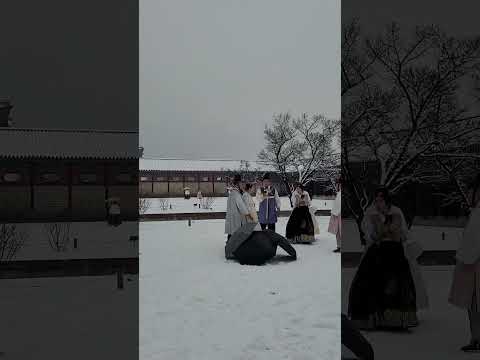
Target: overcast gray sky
point(459, 17)
point(71, 64)
point(213, 72)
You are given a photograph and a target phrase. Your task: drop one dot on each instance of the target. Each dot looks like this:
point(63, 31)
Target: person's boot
point(474, 346)
point(337, 250)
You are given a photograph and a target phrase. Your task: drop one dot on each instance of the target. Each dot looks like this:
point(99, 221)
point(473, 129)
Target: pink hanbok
point(335, 224)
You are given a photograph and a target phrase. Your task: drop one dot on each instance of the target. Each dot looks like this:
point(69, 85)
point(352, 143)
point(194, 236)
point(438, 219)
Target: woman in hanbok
point(237, 212)
point(465, 290)
point(382, 294)
point(269, 204)
point(335, 224)
point(300, 226)
point(247, 198)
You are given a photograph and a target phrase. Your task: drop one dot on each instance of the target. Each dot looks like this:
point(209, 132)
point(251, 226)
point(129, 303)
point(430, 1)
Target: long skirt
point(300, 227)
point(412, 252)
point(382, 294)
point(465, 285)
point(316, 227)
point(335, 225)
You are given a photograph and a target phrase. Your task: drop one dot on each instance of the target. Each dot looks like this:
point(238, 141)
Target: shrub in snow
point(143, 205)
point(207, 203)
point(164, 204)
point(58, 235)
point(11, 241)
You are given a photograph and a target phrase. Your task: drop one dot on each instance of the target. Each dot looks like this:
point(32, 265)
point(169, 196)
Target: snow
point(181, 205)
point(95, 240)
point(430, 237)
point(442, 331)
point(69, 318)
point(197, 305)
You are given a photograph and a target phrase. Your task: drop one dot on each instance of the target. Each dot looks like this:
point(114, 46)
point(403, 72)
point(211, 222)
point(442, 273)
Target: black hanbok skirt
point(300, 227)
point(382, 294)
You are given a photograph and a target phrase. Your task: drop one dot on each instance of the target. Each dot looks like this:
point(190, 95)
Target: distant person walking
point(269, 204)
point(237, 212)
point(335, 224)
point(465, 290)
point(114, 212)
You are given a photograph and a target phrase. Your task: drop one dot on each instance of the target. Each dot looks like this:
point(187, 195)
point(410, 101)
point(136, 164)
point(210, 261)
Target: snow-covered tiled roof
point(197, 165)
point(63, 143)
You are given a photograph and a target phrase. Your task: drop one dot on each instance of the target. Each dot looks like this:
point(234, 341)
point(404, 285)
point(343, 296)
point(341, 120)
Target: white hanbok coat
point(236, 212)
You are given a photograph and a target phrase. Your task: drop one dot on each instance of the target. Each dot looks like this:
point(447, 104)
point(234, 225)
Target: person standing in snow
point(114, 212)
point(335, 224)
point(465, 289)
point(382, 294)
point(269, 204)
point(237, 211)
point(247, 198)
point(300, 225)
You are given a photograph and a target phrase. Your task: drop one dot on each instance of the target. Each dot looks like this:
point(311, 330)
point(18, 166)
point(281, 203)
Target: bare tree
point(247, 170)
point(144, 204)
point(207, 203)
point(301, 149)
point(58, 235)
point(405, 108)
point(462, 176)
point(11, 241)
point(164, 204)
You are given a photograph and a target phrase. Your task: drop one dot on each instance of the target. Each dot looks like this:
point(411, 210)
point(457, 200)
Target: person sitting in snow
point(269, 204)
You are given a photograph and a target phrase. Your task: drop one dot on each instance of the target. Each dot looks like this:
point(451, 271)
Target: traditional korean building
point(169, 177)
point(55, 174)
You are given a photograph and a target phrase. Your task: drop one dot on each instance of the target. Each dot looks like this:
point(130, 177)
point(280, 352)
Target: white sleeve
point(308, 201)
point(405, 232)
point(277, 200)
point(241, 205)
point(259, 196)
point(294, 200)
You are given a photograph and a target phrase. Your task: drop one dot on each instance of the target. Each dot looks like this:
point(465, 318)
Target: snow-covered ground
point(195, 305)
point(181, 205)
point(441, 333)
point(95, 240)
point(430, 237)
point(69, 318)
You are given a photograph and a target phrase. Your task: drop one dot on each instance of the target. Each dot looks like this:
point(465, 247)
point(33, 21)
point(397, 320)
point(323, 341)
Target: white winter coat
point(236, 212)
